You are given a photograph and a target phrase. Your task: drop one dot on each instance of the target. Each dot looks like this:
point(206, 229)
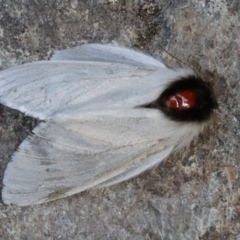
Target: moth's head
point(188, 98)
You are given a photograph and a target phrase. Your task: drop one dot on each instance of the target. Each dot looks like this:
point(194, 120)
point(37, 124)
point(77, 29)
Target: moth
point(108, 114)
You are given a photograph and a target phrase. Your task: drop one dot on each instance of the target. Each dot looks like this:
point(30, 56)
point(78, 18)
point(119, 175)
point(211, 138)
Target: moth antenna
point(179, 60)
point(212, 85)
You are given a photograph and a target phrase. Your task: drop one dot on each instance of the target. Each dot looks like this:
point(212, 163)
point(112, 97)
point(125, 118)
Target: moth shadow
point(15, 126)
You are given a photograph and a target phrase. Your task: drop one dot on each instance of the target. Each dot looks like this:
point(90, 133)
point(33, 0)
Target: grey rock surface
point(194, 194)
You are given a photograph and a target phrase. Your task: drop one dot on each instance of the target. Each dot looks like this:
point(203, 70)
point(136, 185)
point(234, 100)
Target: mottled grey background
point(193, 195)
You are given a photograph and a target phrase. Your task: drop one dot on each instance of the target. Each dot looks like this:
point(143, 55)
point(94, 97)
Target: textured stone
point(195, 194)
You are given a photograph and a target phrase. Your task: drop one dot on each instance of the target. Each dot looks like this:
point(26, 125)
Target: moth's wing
point(44, 88)
point(73, 153)
point(107, 53)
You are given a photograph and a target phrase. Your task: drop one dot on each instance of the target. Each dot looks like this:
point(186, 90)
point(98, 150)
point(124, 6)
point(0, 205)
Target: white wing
point(107, 53)
point(69, 155)
point(45, 88)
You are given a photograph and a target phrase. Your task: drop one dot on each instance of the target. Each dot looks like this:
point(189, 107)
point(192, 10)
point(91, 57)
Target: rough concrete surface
point(194, 194)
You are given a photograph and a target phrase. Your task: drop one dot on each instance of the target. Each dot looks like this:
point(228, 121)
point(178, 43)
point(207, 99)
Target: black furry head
point(204, 101)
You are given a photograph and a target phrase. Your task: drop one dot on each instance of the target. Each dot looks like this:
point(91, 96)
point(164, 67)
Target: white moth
point(109, 114)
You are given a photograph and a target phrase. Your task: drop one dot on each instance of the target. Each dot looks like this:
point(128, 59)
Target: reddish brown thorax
point(182, 100)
